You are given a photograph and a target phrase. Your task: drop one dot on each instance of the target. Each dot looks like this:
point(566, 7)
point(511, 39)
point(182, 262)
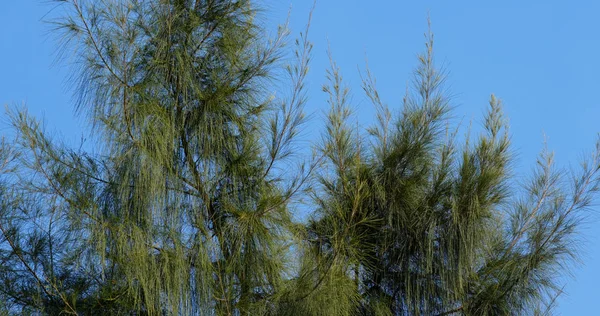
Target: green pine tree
point(185, 203)
point(409, 222)
point(184, 209)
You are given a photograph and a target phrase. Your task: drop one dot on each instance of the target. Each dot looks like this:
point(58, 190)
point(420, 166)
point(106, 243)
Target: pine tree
point(185, 203)
point(410, 223)
point(184, 209)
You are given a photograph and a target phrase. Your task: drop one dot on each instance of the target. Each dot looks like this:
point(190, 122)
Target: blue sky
point(540, 57)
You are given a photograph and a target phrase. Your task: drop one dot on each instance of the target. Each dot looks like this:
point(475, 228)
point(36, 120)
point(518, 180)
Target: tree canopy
point(188, 203)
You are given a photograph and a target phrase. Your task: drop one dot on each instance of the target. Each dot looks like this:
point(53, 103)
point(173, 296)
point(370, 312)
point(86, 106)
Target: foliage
point(185, 209)
point(186, 203)
point(424, 226)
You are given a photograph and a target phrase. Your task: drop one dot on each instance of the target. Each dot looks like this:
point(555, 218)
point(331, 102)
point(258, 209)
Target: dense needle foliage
point(410, 222)
point(186, 204)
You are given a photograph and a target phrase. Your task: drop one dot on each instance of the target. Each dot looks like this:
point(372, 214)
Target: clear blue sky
point(540, 57)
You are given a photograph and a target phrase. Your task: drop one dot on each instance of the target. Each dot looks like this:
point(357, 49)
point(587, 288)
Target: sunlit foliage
point(185, 205)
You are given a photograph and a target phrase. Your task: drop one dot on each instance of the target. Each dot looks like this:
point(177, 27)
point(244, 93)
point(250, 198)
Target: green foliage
point(185, 210)
point(424, 226)
point(186, 204)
